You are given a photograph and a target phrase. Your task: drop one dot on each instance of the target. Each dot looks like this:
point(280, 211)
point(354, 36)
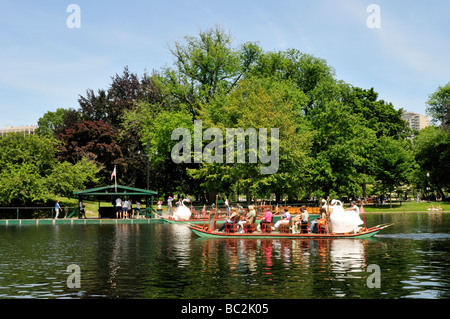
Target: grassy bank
point(410, 206)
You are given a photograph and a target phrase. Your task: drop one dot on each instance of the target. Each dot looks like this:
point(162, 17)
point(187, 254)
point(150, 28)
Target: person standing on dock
point(169, 205)
point(137, 209)
point(57, 209)
point(125, 209)
point(81, 206)
point(118, 207)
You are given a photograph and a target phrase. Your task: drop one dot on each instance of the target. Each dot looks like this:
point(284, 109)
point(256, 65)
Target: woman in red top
point(267, 219)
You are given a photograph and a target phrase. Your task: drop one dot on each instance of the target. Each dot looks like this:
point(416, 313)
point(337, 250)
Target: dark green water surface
point(168, 261)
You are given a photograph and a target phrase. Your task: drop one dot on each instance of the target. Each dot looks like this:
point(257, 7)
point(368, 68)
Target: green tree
point(207, 64)
point(95, 140)
point(51, 122)
point(329, 129)
point(394, 163)
point(432, 152)
point(342, 150)
point(156, 128)
point(30, 172)
point(110, 106)
point(438, 105)
point(257, 104)
point(305, 71)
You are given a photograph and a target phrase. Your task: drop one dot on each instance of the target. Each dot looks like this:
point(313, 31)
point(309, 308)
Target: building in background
point(416, 121)
point(28, 129)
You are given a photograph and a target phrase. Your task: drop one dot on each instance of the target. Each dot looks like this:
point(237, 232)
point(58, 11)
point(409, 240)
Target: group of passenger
point(297, 224)
point(237, 218)
point(124, 209)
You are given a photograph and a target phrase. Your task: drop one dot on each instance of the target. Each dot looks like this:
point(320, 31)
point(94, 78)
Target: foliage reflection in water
point(169, 261)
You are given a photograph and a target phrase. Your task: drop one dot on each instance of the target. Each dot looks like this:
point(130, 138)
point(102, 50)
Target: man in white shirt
point(353, 207)
point(118, 207)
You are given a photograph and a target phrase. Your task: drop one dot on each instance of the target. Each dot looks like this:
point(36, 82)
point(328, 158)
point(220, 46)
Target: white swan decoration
point(344, 221)
point(182, 212)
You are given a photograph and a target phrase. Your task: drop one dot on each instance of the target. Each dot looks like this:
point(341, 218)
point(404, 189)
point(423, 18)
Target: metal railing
point(35, 212)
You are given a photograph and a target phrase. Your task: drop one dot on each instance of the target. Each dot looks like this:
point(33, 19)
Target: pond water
point(140, 261)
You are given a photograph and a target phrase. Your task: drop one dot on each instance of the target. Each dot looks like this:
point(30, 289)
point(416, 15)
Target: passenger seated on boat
point(302, 224)
point(294, 223)
point(322, 226)
point(285, 220)
point(249, 219)
point(313, 228)
point(229, 221)
point(266, 220)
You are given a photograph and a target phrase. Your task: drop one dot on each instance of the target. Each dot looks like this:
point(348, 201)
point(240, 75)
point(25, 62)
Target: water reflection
point(169, 261)
point(179, 244)
point(347, 257)
point(295, 261)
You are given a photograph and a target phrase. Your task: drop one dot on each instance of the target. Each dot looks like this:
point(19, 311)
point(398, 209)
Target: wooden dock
point(78, 221)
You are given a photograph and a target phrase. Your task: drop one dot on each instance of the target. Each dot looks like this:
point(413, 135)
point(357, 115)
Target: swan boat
point(203, 218)
point(208, 230)
point(204, 232)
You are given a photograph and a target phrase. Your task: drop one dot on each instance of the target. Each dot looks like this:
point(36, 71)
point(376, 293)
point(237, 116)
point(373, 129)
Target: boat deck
point(201, 232)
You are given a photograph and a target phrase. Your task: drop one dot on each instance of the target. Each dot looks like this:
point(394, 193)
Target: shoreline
point(408, 212)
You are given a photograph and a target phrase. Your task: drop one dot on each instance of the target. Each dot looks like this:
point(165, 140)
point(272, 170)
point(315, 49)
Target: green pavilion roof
point(115, 190)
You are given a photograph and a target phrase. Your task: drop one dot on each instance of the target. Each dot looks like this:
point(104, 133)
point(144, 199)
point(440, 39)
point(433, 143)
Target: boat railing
point(202, 212)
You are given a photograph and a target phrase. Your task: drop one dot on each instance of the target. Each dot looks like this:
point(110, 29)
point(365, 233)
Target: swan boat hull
point(201, 232)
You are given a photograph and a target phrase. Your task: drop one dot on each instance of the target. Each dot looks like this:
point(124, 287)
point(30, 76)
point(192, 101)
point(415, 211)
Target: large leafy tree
point(346, 121)
point(432, 152)
point(107, 110)
point(30, 171)
point(438, 105)
point(338, 126)
point(394, 163)
point(156, 126)
point(123, 94)
point(305, 71)
point(206, 65)
point(255, 104)
point(95, 140)
point(51, 122)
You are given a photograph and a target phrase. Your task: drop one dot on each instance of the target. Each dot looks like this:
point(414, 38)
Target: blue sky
point(44, 65)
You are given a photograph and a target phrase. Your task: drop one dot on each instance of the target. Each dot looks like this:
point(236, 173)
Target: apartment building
point(28, 129)
point(416, 121)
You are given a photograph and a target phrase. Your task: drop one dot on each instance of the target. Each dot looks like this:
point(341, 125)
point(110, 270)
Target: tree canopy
point(30, 172)
point(329, 137)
